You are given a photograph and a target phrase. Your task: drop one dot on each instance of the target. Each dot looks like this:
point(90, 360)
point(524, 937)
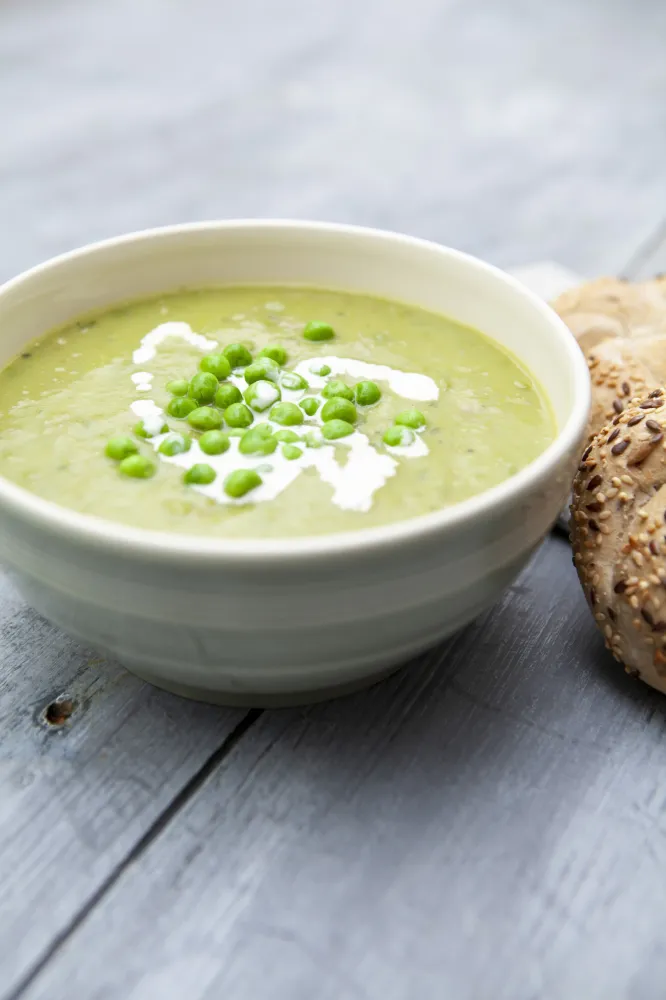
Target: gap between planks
point(140, 847)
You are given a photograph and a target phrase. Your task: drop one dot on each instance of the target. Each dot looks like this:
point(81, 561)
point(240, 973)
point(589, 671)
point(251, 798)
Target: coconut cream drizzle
point(354, 480)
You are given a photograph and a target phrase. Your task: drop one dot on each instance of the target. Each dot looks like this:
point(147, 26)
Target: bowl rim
point(111, 535)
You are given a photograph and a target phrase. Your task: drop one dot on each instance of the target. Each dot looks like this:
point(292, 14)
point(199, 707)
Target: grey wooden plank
point(649, 259)
point(489, 823)
point(450, 120)
point(447, 119)
point(76, 798)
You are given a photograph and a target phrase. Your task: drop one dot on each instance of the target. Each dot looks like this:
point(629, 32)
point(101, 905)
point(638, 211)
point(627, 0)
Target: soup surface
point(361, 412)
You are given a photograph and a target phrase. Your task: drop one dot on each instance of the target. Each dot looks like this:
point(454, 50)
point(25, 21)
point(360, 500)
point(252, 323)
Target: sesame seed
point(656, 393)
point(620, 587)
point(623, 497)
point(635, 420)
point(611, 614)
point(642, 586)
point(594, 482)
point(592, 524)
point(643, 514)
point(613, 435)
point(605, 514)
point(633, 601)
point(627, 480)
point(626, 388)
point(650, 404)
point(647, 616)
point(586, 453)
point(637, 557)
point(653, 425)
point(608, 631)
point(611, 494)
point(616, 481)
point(654, 549)
point(600, 498)
point(617, 406)
point(595, 507)
point(621, 446)
point(599, 617)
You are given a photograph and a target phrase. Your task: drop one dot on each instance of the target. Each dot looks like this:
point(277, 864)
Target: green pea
point(411, 418)
point(141, 430)
point(287, 414)
point(214, 442)
point(291, 451)
point(367, 393)
point(238, 415)
point(398, 436)
point(337, 388)
point(265, 369)
point(217, 364)
point(181, 406)
point(227, 395)
point(276, 352)
point(338, 408)
point(320, 368)
point(259, 440)
point(309, 405)
point(203, 388)
point(261, 395)
point(237, 355)
point(241, 482)
point(293, 381)
point(178, 386)
point(205, 418)
point(175, 444)
point(313, 439)
point(318, 331)
point(286, 437)
point(120, 447)
point(334, 429)
point(200, 475)
point(137, 467)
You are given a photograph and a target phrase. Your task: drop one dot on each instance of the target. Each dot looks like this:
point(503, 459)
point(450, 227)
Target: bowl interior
point(383, 264)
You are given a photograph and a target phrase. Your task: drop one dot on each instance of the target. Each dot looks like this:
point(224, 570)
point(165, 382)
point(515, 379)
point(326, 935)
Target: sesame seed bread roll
point(618, 535)
point(621, 328)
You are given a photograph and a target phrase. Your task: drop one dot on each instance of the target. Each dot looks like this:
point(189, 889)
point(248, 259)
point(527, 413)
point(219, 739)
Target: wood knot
point(58, 712)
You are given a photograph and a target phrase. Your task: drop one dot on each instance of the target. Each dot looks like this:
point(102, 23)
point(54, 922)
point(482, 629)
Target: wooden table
point(490, 823)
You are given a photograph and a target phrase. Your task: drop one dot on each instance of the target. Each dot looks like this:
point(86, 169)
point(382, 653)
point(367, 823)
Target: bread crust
point(618, 510)
point(618, 535)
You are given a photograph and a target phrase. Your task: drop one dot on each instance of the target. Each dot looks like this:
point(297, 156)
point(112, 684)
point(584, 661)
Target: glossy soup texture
point(456, 413)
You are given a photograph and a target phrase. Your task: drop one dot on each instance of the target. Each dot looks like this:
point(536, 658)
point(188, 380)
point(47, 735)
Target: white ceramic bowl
point(254, 622)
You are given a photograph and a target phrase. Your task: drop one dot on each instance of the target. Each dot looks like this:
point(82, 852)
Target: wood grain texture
point(489, 823)
point(77, 798)
point(480, 826)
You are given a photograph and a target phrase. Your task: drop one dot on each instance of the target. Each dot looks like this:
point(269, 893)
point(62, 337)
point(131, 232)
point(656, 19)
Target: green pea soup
point(392, 412)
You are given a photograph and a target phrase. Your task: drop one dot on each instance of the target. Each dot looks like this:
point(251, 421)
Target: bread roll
point(621, 328)
point(618, 510)
point(618, 534)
